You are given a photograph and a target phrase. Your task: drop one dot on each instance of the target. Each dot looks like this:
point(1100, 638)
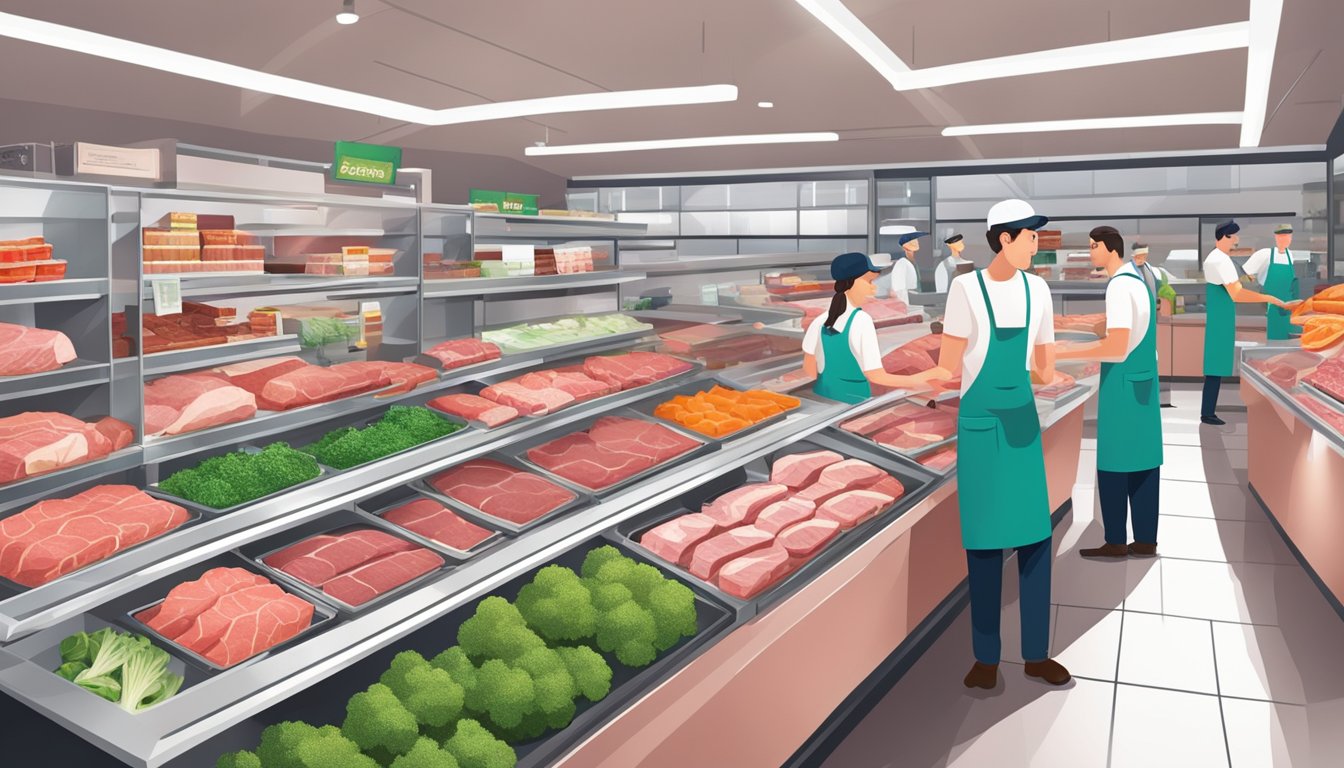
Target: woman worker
point(999, 329)
point(840, 348)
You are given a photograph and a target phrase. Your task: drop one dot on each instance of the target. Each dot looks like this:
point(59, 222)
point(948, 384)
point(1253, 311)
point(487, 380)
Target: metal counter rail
point(477, 286)
point(1278, 395)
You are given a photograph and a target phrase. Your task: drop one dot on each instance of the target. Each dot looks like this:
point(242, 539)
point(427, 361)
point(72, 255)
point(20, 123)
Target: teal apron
point(1129, 419)
point(841, 378)
point(1220, 331)
point(1002, 492)
point(1281, 283)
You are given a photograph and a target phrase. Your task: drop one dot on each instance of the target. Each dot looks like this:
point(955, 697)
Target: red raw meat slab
point(436, 522)
point(360, 585)
point(807, 538)
point(474, 408)
point(752, 573)
point(675, 540)
point(637, 437)
point(501, 491)
point(25, 350)
point(253, 629)
point(336, 555)
point(741, 505)
point(211, 625)
point(188, 402)
point(853, 507)
point(190, 599)
point(42, 441)
point(783, 514)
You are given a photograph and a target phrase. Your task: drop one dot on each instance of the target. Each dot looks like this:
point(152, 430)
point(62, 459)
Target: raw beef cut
point(459, 352)
point(783, 514)
point(941, 459)
point(1329, 378)
point(1287, 369)
point(57, 536)
point(534, 402)
point(360, 585)
point(314, 384)
point(41, 441)
point(740, 506)
point(436, 522)
point(634, 369)
point(500, 490)
point(930, 427)
point(889, 486)
point(807, 538)
point(752, 573)
point(628, 447)
point(253, 374)
point(473, 408)
point(190, 599)
point(640, 438)
point(884, 418)
point(214, 621)
point(799, 470)
point(847, 475)
point(714, 553)
point(853, 507)
point(191, 401)
point(26, 350)
point(335, 554)
point(404, 376)
point(675, 540)
point(253, 628)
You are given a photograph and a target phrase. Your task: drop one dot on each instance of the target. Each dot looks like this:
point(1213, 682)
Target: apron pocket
point(979, 434)
point(1144, 386)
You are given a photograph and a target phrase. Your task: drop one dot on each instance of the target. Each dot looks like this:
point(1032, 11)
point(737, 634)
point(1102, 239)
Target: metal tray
point(135, 602)
point(311, 435)
point(647, 407)
point(485, 381)
point(915, 479)
point(518, 451)
point(384, 503)
point(340, 520)
point(910, 453)
point(196, 459)
point(581, 497)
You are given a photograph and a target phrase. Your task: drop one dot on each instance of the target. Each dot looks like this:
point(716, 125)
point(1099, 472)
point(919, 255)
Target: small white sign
point(168, 296)
point(709, 294)
point(117, 161)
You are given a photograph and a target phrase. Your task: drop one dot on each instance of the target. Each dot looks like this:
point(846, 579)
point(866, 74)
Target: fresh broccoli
point(628, 631)
point(558, 606)
point(504, 693)
point(608, 596)
point(238, 477)
point(531, 727)
point(455, 662)
point(419, 422)
point(639, 578)
point(597, 558)
point(554, 686)
point(379, 724)
point(279, 743)
point(591, 673)
point(497, 631)
point(242, 759)
point(673, 607)
point(426, 754)
point(402, 427)
point(475, 747)
point(330, 748)
point(427, 692)
point(71, 669)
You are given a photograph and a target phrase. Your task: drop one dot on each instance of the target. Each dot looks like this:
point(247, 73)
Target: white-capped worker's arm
point(1243, 295)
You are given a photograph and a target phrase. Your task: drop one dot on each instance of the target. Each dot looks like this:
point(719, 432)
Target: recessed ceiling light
point(117, 49)
point(1099, 123)
point(765, 104)
point(1265, 16)
point(347, 14)
point(702, 141)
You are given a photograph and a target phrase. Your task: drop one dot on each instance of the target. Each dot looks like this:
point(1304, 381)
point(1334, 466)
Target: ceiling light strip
point(1265, 17)
point(175, 62)
point(690, 143)
point(858, 36)
point(1099, 123)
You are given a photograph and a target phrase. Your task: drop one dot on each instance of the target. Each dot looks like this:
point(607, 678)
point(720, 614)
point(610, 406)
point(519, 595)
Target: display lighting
point(1265, 17)
point(1098, 123)
point(347, 14)
point(115, 48)
point(702, 141)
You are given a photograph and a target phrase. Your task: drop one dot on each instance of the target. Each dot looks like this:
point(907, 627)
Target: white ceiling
point(444, 54)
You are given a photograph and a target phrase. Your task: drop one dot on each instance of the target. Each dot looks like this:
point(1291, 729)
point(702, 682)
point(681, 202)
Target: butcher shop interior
point(752, 384)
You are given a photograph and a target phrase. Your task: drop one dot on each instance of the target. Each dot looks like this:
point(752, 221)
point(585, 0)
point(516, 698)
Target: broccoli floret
point(608, 596)
point(554, 686)
point(599, 557)
point(402, 427)
point(426, 754)
point(673, 607)
point(532, 726)
point(591, 673)
point(628, 631)
point(328, 747)
point(475, 747)
point(242, 759)
point(279, 743)
point(504, 693)
point(419, 422)
point(427, 692)
point(497, 631)
point(377, 722)
point(558, 606)
point(639, 578)
point(235, 478)
point(455, 662)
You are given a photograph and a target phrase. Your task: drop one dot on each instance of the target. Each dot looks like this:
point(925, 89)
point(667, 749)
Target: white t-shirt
point(947, 269)
point(898, 281)
point(1219, 269)
point(862, 339)
point(1259, 262)
point(1127, 305)
point(968, 318)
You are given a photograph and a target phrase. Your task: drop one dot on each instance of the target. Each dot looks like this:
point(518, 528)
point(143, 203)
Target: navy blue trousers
point(1126, 495)
point(1033, 578)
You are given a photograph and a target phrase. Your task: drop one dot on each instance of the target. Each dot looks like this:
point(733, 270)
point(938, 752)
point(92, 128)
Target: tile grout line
point(1218, 686)
point(1115, 693)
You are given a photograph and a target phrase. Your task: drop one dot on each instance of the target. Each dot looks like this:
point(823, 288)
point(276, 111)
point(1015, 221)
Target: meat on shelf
point(501, 491)
point(611, 451)
point(354, 565)
point(25, 350)
point(29, 260)
point(38, 442)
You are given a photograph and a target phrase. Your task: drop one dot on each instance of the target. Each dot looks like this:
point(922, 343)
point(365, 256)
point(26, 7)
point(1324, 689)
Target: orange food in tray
point(722, 411)
point(1322, 319)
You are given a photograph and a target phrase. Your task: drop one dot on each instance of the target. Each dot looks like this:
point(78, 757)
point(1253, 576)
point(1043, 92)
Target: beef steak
point(501, 491)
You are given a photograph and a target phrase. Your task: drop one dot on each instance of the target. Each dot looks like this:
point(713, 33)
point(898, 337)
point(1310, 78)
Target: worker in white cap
point(998, 330)
point(882, 261)
point(903, 277)
point(947, 268)
point(1273, 269)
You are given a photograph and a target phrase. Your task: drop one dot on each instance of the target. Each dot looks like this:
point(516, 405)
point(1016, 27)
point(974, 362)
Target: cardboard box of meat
point(755, 533)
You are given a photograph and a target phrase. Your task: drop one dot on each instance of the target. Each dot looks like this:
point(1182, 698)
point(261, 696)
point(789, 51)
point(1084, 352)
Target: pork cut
point(934, 426)
point(799, 470)
point(474, 408)
point(456, 353)
point(713, 553)
point(252, 375)
point(805, 539)
point(58, 536)
point(43, 441)
point(1288, 368)
point(741, 505)
point(752, 573)
point(853, 507)
point(783, 514)
point(188, 600)
point(941, 459)
point(214, 621)
point(361, 584)
point(191, 401)
point(501, 491)
point(321, 558)
point(25, 350)
point(634, 369)
point(872, 423)
point(847, 475)
point(628, 447)
point(675, 540)
point(889, 486)
point(529, 400)
point(436, 522)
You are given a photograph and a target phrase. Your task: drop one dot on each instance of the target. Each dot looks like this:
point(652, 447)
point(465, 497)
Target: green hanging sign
point(507, 202)
point(369, 163)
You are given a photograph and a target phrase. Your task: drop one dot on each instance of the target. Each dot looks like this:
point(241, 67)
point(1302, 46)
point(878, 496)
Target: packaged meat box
point(49, 270)
point(17, 273)
point(211, 237)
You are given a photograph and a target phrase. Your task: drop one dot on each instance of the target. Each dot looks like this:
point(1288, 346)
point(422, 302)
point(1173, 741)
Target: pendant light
point(347, 14)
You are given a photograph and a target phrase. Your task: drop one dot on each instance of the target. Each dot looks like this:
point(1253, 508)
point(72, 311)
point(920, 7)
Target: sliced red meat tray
point(436, 522)
point(42, 441)
point(578, 384)
point(752, 573)
point(188, 600)
point(799, 470)
point(941, 459)
point(640, 438)
point(847, 475)
point(474, 408)
point(501, 491)
point(713, 553)
point(807, 538)
point(534, 401)
point(1328, 378)
point(675, 540)
point(634, 369)
point(853, 507)
point(335, 554)
point(314, 384)
point(214, 621)
point(57, 536)
point(459, 352)
point(191, 401)
point(882, 419)
point(25, 350)
point(783, 514)
point(253, 628)
point(639, 445)
point(253, 375)
point(404, 376)
point(741, 505)
point(360, 585)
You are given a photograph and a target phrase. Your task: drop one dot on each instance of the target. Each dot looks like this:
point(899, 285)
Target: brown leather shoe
point(1139, 549)
point(1106, 550)
point(983, 676)
point(1050, 671)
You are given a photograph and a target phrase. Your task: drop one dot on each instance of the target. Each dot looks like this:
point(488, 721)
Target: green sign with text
point(506, 202)
point(369, 163)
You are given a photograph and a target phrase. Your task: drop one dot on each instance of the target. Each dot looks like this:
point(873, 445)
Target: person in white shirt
point(883, 262)
point(947, 268)
point(904, 277)
point(1129, 420)
point(1272, 268)
point(997, 332)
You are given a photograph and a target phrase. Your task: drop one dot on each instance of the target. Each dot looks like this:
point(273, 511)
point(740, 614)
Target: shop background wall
point(454, 172)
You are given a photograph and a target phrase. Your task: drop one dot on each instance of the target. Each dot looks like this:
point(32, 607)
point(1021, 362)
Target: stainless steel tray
point(647, 408)
point(486, 381)
point(196, 459)
point(909, 453)
point(386, 502)
point(581, 498)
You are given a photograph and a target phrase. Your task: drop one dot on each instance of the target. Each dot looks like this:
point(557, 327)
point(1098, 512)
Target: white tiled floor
point(1220, 652)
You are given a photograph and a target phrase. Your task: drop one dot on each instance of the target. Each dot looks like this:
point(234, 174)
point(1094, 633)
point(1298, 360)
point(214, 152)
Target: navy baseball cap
point(1226, 228)
point(953, 239)
point(907, 237)
point(851, 266)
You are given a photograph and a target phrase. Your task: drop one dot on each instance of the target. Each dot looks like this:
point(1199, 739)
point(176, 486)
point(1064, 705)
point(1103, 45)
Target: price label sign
point(168, 296)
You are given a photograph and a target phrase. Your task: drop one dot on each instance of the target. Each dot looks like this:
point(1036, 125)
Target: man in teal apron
point(1223, 291)
point(1274, 268)
point(1129, 420)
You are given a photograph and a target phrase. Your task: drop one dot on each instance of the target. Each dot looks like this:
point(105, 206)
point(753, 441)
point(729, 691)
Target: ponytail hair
point(838, 302)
